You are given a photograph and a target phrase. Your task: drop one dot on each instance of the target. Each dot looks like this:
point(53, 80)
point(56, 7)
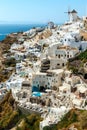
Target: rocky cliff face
point(12, 119)
point(9, 114)
point(78, 65)
point(4, 48)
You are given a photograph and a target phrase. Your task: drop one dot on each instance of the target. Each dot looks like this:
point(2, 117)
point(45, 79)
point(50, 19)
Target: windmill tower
point(74, 16)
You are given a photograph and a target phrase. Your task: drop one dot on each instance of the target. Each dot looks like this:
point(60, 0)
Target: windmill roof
point(73, 11)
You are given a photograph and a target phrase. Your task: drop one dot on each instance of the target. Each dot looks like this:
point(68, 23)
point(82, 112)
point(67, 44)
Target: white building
point(54, 116)
point(51, 25)
point(74, 42)
point(59, 54)
point(20, 55)
point(57, 63)
point(65, 89)
point(62, 52)
point(82, 90)
point(47, 80)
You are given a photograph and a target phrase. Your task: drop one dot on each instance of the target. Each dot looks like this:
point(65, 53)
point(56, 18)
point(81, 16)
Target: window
point(48, 83)
point(45, 86)
point(62, 64)
point(67, 56)
point(58, 64)
point(33, 82)
point(58, 47)
point(58, 56)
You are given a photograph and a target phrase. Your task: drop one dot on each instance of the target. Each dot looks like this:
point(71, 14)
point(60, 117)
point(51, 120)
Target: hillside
point(73, 119)
point(77, 64)
point(4, 63)
point(12, 118)
point(30, 122)
point(8, 112)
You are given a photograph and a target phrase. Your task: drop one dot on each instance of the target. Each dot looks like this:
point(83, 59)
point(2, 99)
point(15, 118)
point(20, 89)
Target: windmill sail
point(69, 13)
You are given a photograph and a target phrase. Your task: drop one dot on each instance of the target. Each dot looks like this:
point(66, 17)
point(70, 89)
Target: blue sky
point(39, 11)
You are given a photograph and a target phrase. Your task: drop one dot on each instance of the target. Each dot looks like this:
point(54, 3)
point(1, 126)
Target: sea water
point(6, 29)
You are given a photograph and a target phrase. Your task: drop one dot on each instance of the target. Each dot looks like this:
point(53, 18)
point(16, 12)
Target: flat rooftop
point(56, 71)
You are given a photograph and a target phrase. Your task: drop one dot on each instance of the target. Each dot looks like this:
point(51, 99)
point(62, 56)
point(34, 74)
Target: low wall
point(26, 111)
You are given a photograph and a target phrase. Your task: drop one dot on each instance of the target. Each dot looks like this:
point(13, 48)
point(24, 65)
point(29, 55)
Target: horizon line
point(28, 22)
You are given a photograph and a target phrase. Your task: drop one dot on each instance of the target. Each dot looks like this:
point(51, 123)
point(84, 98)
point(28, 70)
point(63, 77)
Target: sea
point(6, 29)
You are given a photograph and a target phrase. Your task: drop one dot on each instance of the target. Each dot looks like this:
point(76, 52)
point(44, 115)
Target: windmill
point(69, 14)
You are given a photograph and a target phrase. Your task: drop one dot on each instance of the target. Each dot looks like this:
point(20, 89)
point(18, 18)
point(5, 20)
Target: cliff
point(12, 118)
point(78, 65)
point(4, 48)
point(9, 114)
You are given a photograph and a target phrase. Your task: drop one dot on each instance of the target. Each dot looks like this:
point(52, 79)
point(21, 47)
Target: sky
point(39, 11)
